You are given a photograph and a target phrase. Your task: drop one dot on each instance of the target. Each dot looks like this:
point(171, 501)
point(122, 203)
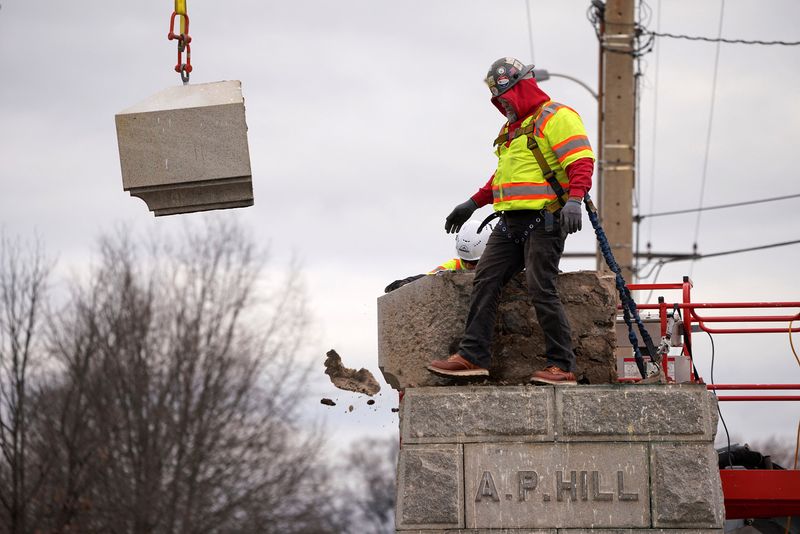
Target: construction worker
point(469, 247)
point(544, 169)
point(470, 244)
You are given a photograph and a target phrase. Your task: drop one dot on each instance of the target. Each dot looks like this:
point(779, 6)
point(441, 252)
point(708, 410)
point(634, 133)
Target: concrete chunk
point(185, 149)
point(424, 320)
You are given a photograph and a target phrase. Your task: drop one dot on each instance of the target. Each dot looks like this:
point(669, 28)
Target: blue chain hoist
point(629, 309)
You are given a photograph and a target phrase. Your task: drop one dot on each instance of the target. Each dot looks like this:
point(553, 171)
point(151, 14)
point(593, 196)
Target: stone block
point(184, 149)
point(484, 531)
point(686, 488)
point(424, 320)
point(476, 414)
point(549, 485)
point(642, 531)
point(631, 412)
point(430, 487)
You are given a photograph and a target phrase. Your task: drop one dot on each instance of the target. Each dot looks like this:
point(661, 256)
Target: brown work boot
point(554, 375)
point(456, 366)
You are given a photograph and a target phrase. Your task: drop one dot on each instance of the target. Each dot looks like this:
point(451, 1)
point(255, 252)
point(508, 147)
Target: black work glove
point(400, 283)
point(459, 216)
point(571, 216)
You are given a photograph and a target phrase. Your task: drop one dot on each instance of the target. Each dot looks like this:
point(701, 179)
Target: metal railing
point(742, 324)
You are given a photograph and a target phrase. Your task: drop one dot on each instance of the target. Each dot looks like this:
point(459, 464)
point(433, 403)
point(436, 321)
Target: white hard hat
point(469, 243)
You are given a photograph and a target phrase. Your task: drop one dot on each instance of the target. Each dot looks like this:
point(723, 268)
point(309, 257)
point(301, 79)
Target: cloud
point(369, 121)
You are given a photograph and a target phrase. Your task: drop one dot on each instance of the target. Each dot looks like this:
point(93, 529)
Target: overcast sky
point(368, 121)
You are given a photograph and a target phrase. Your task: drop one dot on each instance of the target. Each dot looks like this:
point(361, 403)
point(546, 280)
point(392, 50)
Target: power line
point(717, 207)
point(645, 15)
point(721, 39)
point(708, 132)
point(655, 129)
point(530, 27)
point(694, 257)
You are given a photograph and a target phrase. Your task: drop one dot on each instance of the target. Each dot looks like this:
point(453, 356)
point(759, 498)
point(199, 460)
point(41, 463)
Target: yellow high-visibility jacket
point(519, 182)
point(456, 264)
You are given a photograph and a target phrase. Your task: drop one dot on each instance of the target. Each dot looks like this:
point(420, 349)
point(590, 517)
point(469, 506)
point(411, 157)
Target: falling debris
point(395, 410)
point(360, 381)
point(370, 402)
point(350, 408)
point(327, 402)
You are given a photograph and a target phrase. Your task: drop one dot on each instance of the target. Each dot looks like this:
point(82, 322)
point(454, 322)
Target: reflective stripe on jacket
point(451, 265)
point(519, 183)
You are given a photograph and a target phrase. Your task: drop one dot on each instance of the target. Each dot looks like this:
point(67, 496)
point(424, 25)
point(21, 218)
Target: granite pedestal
point(535, 459)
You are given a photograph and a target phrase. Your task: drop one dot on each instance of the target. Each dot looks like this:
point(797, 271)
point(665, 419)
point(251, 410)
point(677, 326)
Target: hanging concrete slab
point(184, 149)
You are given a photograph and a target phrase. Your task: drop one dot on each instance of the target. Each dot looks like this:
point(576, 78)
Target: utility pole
point(617, 131)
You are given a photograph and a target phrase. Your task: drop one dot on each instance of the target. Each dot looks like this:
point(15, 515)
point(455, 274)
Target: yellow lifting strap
point(180, 9)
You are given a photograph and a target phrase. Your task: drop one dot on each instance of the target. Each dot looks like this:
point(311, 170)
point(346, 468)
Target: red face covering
point(524, 98)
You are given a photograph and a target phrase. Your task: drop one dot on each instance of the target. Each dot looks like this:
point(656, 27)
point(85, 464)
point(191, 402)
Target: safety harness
point(549, 173)
point(548, 212)
point(630, 312)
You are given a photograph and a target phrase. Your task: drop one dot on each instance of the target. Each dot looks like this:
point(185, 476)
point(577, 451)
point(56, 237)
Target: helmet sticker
point(504, 73)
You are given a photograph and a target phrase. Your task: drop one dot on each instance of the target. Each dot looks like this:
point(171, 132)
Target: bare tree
point(781, 451)
point(23, 285)
point(175, 413)
point(372, 467)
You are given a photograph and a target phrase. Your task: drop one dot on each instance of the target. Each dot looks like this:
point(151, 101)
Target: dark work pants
point(539, 254)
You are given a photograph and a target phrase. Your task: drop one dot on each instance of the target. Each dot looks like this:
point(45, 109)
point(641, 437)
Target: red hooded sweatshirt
point(526, 98)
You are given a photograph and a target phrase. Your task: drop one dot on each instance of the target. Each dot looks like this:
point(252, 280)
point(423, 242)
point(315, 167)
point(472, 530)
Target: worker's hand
point(571, 216)
point(394, 285)
point(459, 216)
point(397, 284)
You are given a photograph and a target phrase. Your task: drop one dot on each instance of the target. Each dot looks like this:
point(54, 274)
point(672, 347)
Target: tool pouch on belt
point(516, 230)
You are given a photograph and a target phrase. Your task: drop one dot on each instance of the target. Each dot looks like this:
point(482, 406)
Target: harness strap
point(510, 136)
point(490, 218)
point(549, 175)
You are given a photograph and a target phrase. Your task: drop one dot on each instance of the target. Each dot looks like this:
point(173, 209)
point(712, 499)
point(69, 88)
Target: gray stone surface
point(430, 487)
point(484, 531)
point(685, 412)
point(565, 531)
point(185, 149)
point(642, 531)
point(474, 414)
point(686, 488)
point(546, 485)
point(424, 320)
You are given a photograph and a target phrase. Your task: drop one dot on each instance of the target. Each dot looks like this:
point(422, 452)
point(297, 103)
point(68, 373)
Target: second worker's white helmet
point(469, 243)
